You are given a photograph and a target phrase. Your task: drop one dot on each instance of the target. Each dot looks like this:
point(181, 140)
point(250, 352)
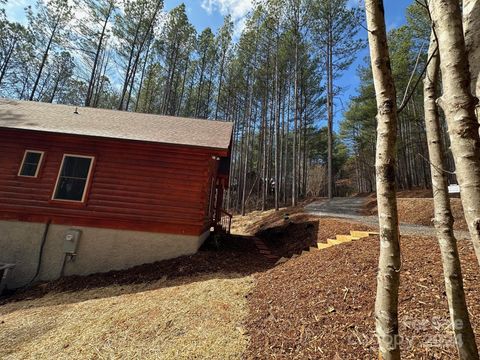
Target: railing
point(226, 221)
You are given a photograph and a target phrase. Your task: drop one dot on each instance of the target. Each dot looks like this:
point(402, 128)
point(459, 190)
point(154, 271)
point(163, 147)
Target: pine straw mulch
point(320, 305)
point(194, 317)
point(420, 211)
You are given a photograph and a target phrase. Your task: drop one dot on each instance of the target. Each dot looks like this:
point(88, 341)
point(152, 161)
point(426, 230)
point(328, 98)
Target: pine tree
point(50, 28)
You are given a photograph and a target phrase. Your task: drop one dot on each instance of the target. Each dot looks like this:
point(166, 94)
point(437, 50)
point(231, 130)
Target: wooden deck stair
point(339, 239)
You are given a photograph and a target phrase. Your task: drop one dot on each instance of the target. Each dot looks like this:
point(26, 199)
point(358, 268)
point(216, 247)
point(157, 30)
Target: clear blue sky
point(210, 13)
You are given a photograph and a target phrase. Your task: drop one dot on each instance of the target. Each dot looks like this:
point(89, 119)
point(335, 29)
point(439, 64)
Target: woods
point(277, 80)
point(274, 80)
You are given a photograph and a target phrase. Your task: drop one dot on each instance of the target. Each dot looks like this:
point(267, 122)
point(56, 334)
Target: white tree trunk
point(464, 336)
point(459, 107)
point(388, 279)
point(471, 30)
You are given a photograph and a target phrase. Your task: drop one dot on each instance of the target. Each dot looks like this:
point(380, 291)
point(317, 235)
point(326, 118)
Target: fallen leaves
point(321, 305)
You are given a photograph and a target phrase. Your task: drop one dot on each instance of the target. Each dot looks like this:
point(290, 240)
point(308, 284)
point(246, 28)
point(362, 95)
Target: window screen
point(31, 163)
point(73, 178)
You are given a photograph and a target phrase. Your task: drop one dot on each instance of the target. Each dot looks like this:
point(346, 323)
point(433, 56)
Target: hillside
point(230, 302)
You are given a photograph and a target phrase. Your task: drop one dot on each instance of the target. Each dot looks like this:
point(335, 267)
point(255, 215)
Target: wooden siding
point(134, 185)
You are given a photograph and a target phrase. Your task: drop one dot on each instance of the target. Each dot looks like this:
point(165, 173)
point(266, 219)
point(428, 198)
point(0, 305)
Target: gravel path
point(351, 208)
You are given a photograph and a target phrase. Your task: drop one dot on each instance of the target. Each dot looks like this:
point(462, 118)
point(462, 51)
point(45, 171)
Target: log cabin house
point(86, 190)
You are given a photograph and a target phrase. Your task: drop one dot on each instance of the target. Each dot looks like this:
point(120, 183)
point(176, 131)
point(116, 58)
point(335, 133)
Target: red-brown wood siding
point(134, 185)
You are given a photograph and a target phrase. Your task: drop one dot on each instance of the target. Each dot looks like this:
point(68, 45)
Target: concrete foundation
point(99, 250)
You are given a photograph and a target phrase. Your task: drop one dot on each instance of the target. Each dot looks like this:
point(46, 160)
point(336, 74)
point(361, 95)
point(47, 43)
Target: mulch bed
point(320, 305)
point(294, 233)
point(420, 211)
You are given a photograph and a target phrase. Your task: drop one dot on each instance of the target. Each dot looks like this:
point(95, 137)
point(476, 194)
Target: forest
point(277, 82)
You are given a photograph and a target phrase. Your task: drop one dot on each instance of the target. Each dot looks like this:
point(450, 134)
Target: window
point(73, 178)
point(31, 163)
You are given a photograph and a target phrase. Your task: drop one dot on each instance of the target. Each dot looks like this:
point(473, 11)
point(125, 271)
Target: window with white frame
point(73, 178)
point(31, 163)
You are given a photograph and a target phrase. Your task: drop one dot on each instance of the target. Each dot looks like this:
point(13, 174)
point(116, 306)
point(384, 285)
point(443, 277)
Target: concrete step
point(304, 252)
point(313, 248)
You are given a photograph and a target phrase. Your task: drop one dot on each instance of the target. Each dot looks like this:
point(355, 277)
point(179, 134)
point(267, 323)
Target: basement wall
point(99, 250)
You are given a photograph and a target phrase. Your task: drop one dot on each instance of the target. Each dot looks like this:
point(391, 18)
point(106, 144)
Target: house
point(86, 190)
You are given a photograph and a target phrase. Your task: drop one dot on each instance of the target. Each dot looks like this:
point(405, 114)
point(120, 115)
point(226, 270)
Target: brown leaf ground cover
point(320, 305)
point(420, 211)
point(298, 232)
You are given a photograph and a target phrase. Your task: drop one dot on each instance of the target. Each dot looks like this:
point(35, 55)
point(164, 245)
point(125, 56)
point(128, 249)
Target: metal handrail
point(226, 221)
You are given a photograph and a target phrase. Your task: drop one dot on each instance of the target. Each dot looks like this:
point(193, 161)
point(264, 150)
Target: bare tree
point(471, 28)
point(464, 336)
point(459, 106)
point(388, 278)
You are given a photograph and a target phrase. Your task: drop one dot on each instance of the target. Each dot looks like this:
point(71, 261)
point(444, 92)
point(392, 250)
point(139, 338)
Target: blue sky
point(210, 13)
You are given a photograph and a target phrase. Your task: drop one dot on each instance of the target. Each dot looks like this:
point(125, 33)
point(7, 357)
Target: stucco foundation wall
point(99, 250)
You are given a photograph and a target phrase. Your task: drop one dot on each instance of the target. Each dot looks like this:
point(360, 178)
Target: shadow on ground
point(227, 256)
point(231, 256)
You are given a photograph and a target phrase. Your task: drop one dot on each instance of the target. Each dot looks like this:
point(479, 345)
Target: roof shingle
point(114, 124)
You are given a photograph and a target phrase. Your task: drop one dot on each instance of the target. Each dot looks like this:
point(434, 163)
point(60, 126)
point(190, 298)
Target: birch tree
point(388, 278)
point(464, 336)
point(471, 22)
point(458, 105)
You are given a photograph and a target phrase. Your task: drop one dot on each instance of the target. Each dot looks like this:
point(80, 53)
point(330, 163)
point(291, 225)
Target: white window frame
point(42, 153)
point(87, 182)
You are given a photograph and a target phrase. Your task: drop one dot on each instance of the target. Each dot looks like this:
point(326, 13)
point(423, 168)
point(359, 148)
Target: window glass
point(31, 163)
point(73, 178)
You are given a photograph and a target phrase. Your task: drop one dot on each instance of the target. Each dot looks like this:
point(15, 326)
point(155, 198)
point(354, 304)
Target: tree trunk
point(388, 279)
point(459, 107)
point(220, 83)
point(276, 97)
point(464, 337)
point(91, 83)
point(471, 24)
point(329, 108)
point(295, 128)
point(44, 60)
point(3, 68)
point(133, 45)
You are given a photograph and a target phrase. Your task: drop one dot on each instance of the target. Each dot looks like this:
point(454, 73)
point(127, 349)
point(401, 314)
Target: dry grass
point(186, 318)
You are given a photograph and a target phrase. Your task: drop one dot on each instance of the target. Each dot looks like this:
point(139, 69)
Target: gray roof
point(30, 115)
